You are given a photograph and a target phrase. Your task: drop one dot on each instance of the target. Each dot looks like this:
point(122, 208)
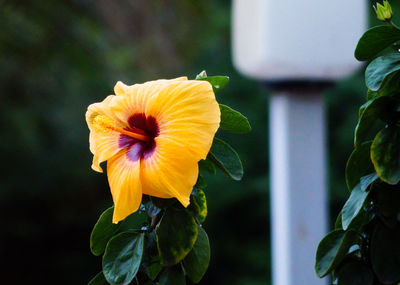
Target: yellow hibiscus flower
point(152, 136)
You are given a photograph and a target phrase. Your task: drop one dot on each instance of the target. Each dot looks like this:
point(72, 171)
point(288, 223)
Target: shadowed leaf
point(385, 254)
point(103, 230)
point(122, 257)
point(358, 165)
point(196, 262)
point(176, 235)
point(385, 154)
point(332, 249)
point(226, 159)
point(379, 69)
point(99, 279)
point(374, 41)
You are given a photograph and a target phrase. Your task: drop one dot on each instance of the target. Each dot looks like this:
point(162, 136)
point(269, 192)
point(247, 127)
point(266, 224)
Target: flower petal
point(133, 99)
point(188, 114)
point(170, 172)
point(123, 171)
point(103, 145)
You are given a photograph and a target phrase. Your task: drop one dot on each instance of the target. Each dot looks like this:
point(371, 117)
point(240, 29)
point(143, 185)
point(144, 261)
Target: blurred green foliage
point(56, 58)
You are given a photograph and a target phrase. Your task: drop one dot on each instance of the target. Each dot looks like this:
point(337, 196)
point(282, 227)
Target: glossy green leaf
point(354, 272)
point(358, 165)
point(217, 82)
point(103, 230)
point(390, 87)
point(355, 203)
point(207, 166)
point(332, 249)
point(176, 235)
point(371, 111)
point(385, 253)
point(122, 257)
point(173, 276)
point(376, 40)
point(196, 262)
point(99, 279)
point(226, 159)
point(233, 121)
point(198, 205)
point(385, 154)
point(367, 180)
point(338, 222)
point(380, 68)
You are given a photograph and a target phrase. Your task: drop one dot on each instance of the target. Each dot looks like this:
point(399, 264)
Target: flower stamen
point(105, 124)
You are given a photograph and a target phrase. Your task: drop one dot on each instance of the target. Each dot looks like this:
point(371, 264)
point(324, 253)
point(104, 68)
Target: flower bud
point(201, 75)
point(384, 12)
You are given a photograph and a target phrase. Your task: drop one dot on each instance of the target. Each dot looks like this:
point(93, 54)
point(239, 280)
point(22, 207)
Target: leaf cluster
point(165, 243)
point(364, 247)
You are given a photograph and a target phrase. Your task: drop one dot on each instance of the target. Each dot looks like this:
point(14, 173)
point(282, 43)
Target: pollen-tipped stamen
point(105, 124)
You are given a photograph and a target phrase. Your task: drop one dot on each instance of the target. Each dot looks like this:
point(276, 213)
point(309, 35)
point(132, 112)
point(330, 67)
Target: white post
point(305, 43)
point(298, 191)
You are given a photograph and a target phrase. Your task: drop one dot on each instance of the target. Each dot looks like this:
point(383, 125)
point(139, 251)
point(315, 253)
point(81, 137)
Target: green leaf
point(371, 111)
point(338, 222)
point(390, 87)
point(354, 272)
point(233, 121)
point(385, 254)
point(103, 230)
point(354, 204)
point(163, 203)
point(380, 68)
point(217, 82)
point(134, 221)
point(387, 198)
point(226, 159)
point(332, 249)
point(207, 166)
point(374, 41)
point(99, 279)
point(151, 254)
point(173, 276)
point(367, 180)
point(153, 270)
point(176, 235)
point(201, 182)
point(358, 165)
point(385, 154)
point(122, 257)
point(151, 257)
point(196, 262)
point(198, 205)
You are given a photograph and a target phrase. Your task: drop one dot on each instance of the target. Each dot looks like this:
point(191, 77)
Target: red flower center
point(140, 124)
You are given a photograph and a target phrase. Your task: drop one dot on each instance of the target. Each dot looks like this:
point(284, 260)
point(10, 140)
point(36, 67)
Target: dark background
point(56, 58)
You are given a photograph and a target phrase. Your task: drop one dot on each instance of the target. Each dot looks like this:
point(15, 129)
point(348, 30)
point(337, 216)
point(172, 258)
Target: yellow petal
point(102, 144)
point(124, 179)
point(170, 172)
point(188, 114)
point(133, 99)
